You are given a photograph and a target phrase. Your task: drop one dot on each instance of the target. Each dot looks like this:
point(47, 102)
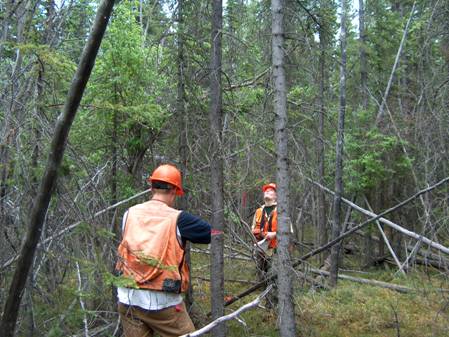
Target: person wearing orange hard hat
point(265, 219)
point(152, 260)
point(264, 228)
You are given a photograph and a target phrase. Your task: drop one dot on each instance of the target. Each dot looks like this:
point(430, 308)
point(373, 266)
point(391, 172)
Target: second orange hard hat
point(268, 186)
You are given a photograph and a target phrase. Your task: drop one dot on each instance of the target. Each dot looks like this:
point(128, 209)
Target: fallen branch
point(207, 252)
point(235, 314)
point(226, 280)
point(395, 287)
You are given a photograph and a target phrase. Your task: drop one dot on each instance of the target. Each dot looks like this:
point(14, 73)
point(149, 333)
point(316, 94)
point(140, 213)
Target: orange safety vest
point(268, 224)
point(150, 252)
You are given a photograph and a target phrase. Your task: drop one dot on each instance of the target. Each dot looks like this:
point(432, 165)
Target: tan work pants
point(168, 322)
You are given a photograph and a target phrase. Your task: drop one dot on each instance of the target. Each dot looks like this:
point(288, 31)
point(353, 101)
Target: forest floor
point(351, 309)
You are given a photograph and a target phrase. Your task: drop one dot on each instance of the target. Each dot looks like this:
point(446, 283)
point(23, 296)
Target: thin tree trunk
point(216, 125)
point(339, 150)
point(116, 225)
point(286, 310)
point(182, 118)
point(364, 100)
point(114, 144)
point(322, 220)
point(39, 210)
point(363, 61)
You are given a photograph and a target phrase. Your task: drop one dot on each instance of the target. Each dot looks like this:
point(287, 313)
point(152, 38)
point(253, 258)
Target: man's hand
point(257, 234)
point(270, 235)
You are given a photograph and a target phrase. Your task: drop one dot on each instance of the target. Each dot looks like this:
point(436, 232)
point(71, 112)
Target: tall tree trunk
point(40, 207)
point(114, 153)
point(339, 151)
point(182, 119)
point(364, 101)
point(216, 125)
point(114, 150)
point(363, 64)
point(283, 262)
point(322, 220)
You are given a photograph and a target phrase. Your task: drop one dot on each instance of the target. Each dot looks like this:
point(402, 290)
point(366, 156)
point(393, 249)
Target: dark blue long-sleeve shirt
point(193, 228)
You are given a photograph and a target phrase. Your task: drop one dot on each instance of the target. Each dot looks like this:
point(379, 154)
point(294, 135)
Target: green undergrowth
point(351, 309)
point(362, 310)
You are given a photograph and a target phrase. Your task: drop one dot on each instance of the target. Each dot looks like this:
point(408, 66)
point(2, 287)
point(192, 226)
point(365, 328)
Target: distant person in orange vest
point(264, 229)
point(152, 260)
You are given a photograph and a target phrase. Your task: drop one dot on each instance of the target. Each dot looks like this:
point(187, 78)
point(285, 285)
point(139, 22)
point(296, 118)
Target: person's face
point(270, 195)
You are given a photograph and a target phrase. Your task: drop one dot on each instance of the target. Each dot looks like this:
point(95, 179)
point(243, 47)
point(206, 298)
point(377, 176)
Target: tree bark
point(39, 210)
point(364, 97)
point(363, 63)
point(182, 118)
point(339, 151)
point(322, 220)
point(286, 311)
point(216, 125)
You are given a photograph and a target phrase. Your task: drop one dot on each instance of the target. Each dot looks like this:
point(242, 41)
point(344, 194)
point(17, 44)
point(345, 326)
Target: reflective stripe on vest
point(150, 252)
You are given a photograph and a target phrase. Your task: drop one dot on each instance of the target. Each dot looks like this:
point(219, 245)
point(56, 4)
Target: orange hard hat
point(168, 174)
point(268, 186)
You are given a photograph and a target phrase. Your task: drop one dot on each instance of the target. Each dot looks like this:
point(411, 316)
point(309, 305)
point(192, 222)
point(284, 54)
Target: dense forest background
point(147, 103)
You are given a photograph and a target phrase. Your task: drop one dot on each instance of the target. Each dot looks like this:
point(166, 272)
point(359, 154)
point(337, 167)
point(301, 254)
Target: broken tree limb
point(391, 286)
point(390, 223)
point(76, 224)
point(387, 242)
point(338, 239)
point(235, 314)
point(226, 280)
point(235, 257)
